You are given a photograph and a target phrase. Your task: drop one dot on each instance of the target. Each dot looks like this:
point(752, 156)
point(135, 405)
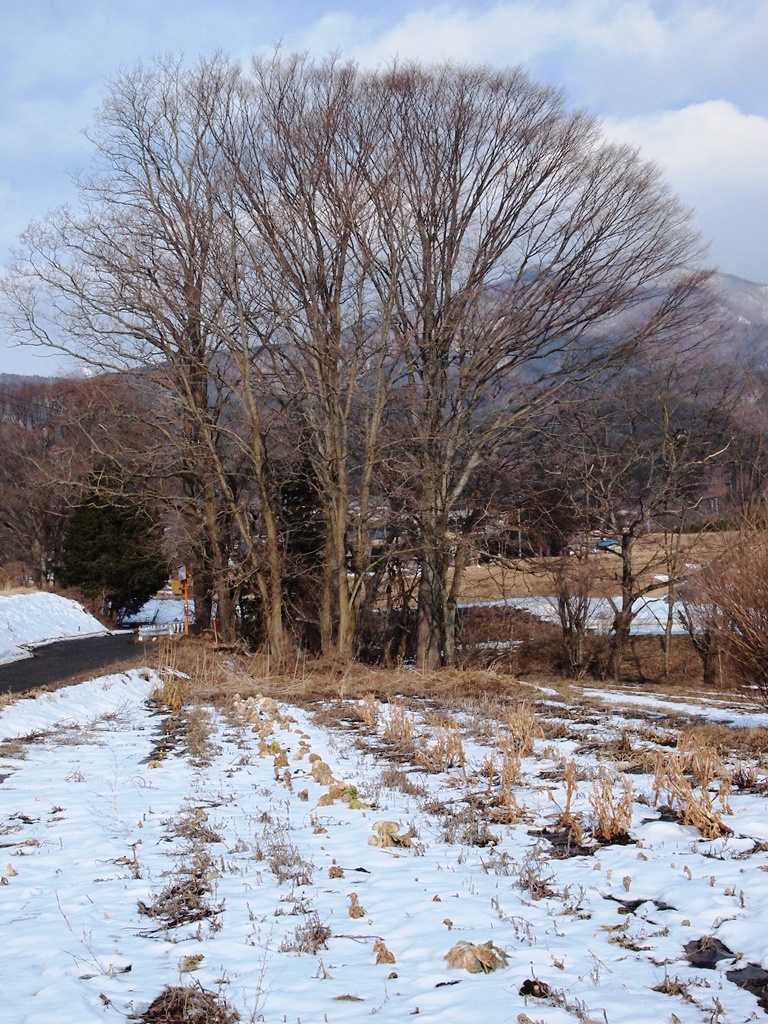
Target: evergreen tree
point(112, 552)
point(303, 531)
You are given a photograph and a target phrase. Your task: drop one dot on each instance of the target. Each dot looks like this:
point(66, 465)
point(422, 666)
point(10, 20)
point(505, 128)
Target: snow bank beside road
point(77, 705)
point(27, 620)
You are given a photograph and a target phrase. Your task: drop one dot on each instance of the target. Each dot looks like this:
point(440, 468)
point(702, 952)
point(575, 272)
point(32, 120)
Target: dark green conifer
point(112, 553)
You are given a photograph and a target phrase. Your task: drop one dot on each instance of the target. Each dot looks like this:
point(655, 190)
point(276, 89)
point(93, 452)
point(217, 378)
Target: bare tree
point(302, 153)
point(446, 241)
point(638, 453)
point(39, 461)
point(530, 253)
point(745, 483)
point(699, 619)
point(733, 590)
point(59, 437)
point(126, 282)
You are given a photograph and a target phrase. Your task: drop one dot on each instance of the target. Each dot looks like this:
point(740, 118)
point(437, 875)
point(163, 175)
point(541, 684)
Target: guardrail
point(159, 629)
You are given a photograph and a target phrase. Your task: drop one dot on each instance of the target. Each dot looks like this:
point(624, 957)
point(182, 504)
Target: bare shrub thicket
point(734, 598)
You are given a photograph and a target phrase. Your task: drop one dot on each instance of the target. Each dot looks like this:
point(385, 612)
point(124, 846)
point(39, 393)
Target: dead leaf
point(383, 955)
point(386, 828)
point(477, 959)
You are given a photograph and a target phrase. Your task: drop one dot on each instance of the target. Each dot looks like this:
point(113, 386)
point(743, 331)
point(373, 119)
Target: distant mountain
point(10, 381)
point(742, 314)
point(744, 298)
point(743, 309)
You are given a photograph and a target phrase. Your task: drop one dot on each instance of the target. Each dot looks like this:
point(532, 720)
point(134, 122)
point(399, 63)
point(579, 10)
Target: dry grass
point(726, 739)
point(535, 577)
point(193, 826)
point(441, 748)
point(309, 937)
point(214, 677)
point(611, 800)
point(368, 710)
point(15, 579)
point(567, 820)
point(399, 726)
point(189, 1004)
point(464, 824)
point(392, 777)
point(183, 902)
point(686, 780)
point(524, 727)
point(502, 776)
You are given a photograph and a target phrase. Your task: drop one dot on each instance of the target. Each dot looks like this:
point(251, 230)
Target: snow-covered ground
point(28, 620)
point(650, 613)
point(317, 864)
point(232, 854)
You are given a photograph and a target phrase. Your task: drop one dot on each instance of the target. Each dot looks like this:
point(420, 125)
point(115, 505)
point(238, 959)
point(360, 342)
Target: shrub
point(734, 591)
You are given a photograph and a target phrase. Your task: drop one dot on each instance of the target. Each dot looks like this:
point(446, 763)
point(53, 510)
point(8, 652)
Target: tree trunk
point(432, 598)
point(452, 602)
point(428, 646)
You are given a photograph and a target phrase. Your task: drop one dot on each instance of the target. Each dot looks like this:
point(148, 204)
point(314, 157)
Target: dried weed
point(309, 937)
point(612, 801)
point(189, 1004)
point(182, 902)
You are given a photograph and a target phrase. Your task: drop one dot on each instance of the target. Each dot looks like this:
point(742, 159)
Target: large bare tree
point(301, 148)
point(404, 265)
point(529, 252)
point(125, 282)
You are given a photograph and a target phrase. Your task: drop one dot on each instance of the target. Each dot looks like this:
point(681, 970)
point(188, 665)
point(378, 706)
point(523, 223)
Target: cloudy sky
point(685, 80)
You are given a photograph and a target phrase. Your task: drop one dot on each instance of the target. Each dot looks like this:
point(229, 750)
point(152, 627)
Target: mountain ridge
point(742, 309)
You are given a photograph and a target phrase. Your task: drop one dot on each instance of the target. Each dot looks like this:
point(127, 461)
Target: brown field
point(535, 577)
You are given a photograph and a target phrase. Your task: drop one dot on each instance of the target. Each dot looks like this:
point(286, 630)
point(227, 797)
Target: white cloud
point(682, 79)
point(714, 156)
point(610, 54)
point(713, 140)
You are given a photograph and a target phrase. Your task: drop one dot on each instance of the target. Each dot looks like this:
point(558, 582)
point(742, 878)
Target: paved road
point(67, 659)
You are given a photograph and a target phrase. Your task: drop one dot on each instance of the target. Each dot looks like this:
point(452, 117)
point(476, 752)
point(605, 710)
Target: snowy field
point(650, 616)
point(318, 865)
point(28, 620)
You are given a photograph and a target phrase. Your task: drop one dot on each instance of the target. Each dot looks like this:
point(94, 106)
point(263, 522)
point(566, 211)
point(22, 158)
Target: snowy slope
point(31, 619)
